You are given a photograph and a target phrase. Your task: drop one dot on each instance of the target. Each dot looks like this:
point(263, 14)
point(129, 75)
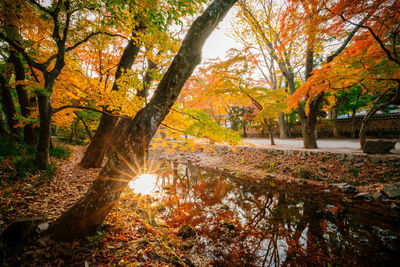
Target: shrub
point(60, 152)
point(24, 165)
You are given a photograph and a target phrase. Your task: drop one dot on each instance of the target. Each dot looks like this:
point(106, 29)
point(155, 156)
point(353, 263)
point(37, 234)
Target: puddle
point(244, 223)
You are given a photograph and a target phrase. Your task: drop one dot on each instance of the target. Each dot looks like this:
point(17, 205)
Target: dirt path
point(34, 198)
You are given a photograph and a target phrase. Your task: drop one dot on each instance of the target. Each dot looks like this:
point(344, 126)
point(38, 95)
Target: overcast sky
point(218, 43)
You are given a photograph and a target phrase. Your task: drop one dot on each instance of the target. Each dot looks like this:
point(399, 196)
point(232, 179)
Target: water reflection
point(247, 223)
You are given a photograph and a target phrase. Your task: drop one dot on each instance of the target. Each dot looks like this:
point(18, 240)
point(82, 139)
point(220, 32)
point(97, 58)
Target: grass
point(18, 160)
point(60, 152)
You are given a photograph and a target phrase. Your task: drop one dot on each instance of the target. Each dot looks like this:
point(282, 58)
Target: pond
point(263, 223)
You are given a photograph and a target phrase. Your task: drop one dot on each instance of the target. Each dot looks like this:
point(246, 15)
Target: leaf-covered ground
point(132, 233)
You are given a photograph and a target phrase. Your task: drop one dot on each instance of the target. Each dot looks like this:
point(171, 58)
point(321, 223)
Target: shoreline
point(354, 176)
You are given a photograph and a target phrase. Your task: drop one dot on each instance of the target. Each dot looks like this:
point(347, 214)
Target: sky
point(218, 42)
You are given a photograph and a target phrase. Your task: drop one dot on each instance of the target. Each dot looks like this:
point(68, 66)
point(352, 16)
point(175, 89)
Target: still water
point(263, 223)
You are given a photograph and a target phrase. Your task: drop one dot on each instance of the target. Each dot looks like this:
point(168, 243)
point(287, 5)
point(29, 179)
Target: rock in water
point(186, 231)
point(378, 146)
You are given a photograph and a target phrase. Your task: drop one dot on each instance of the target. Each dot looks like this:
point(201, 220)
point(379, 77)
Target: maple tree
point(370, 62)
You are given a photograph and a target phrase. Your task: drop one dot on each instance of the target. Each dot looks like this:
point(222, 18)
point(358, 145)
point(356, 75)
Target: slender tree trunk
point(45, 112)
point(23, 99)
point(86, 129)
point(283, 129)
point(88, 213)
point(271, 134)
point(353, 124)
point(3, 131)
point(8, 105)
point(96, 150)
point(71, 136)
point(335, 132)
point(353, 116)
point(244, 130)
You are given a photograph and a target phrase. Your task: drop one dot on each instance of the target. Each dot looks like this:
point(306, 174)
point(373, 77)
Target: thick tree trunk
point(308, 132)
point(8, 105)
point(45, 112)
point(309, 123)
point(87, 214)
point(283, 129)
point(96, 150)
point(23, 99)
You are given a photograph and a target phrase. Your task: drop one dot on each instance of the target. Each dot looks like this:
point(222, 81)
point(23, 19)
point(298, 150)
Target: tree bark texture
point(95, 152)
point(23, 99)
point(45, 113)
point(88, 213)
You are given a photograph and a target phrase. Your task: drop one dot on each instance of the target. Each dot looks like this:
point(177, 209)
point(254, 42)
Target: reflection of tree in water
point(246, 223)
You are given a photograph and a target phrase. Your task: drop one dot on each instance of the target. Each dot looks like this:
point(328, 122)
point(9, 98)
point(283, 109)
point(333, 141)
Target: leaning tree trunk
point(364, 124)
point(88, 213)
point(23, 99)
point(96, 150)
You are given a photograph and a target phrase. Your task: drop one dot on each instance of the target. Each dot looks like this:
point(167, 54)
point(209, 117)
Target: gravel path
point(330, 145)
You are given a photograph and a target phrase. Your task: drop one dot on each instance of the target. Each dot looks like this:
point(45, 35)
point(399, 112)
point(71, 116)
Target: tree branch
point(86, 108)
point(171, 128)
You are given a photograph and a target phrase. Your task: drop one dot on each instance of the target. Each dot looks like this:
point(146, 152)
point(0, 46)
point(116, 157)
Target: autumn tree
point(145, 29)
point(60, 27)
point(296, 36)
point(89, 212)
point(370, 62)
